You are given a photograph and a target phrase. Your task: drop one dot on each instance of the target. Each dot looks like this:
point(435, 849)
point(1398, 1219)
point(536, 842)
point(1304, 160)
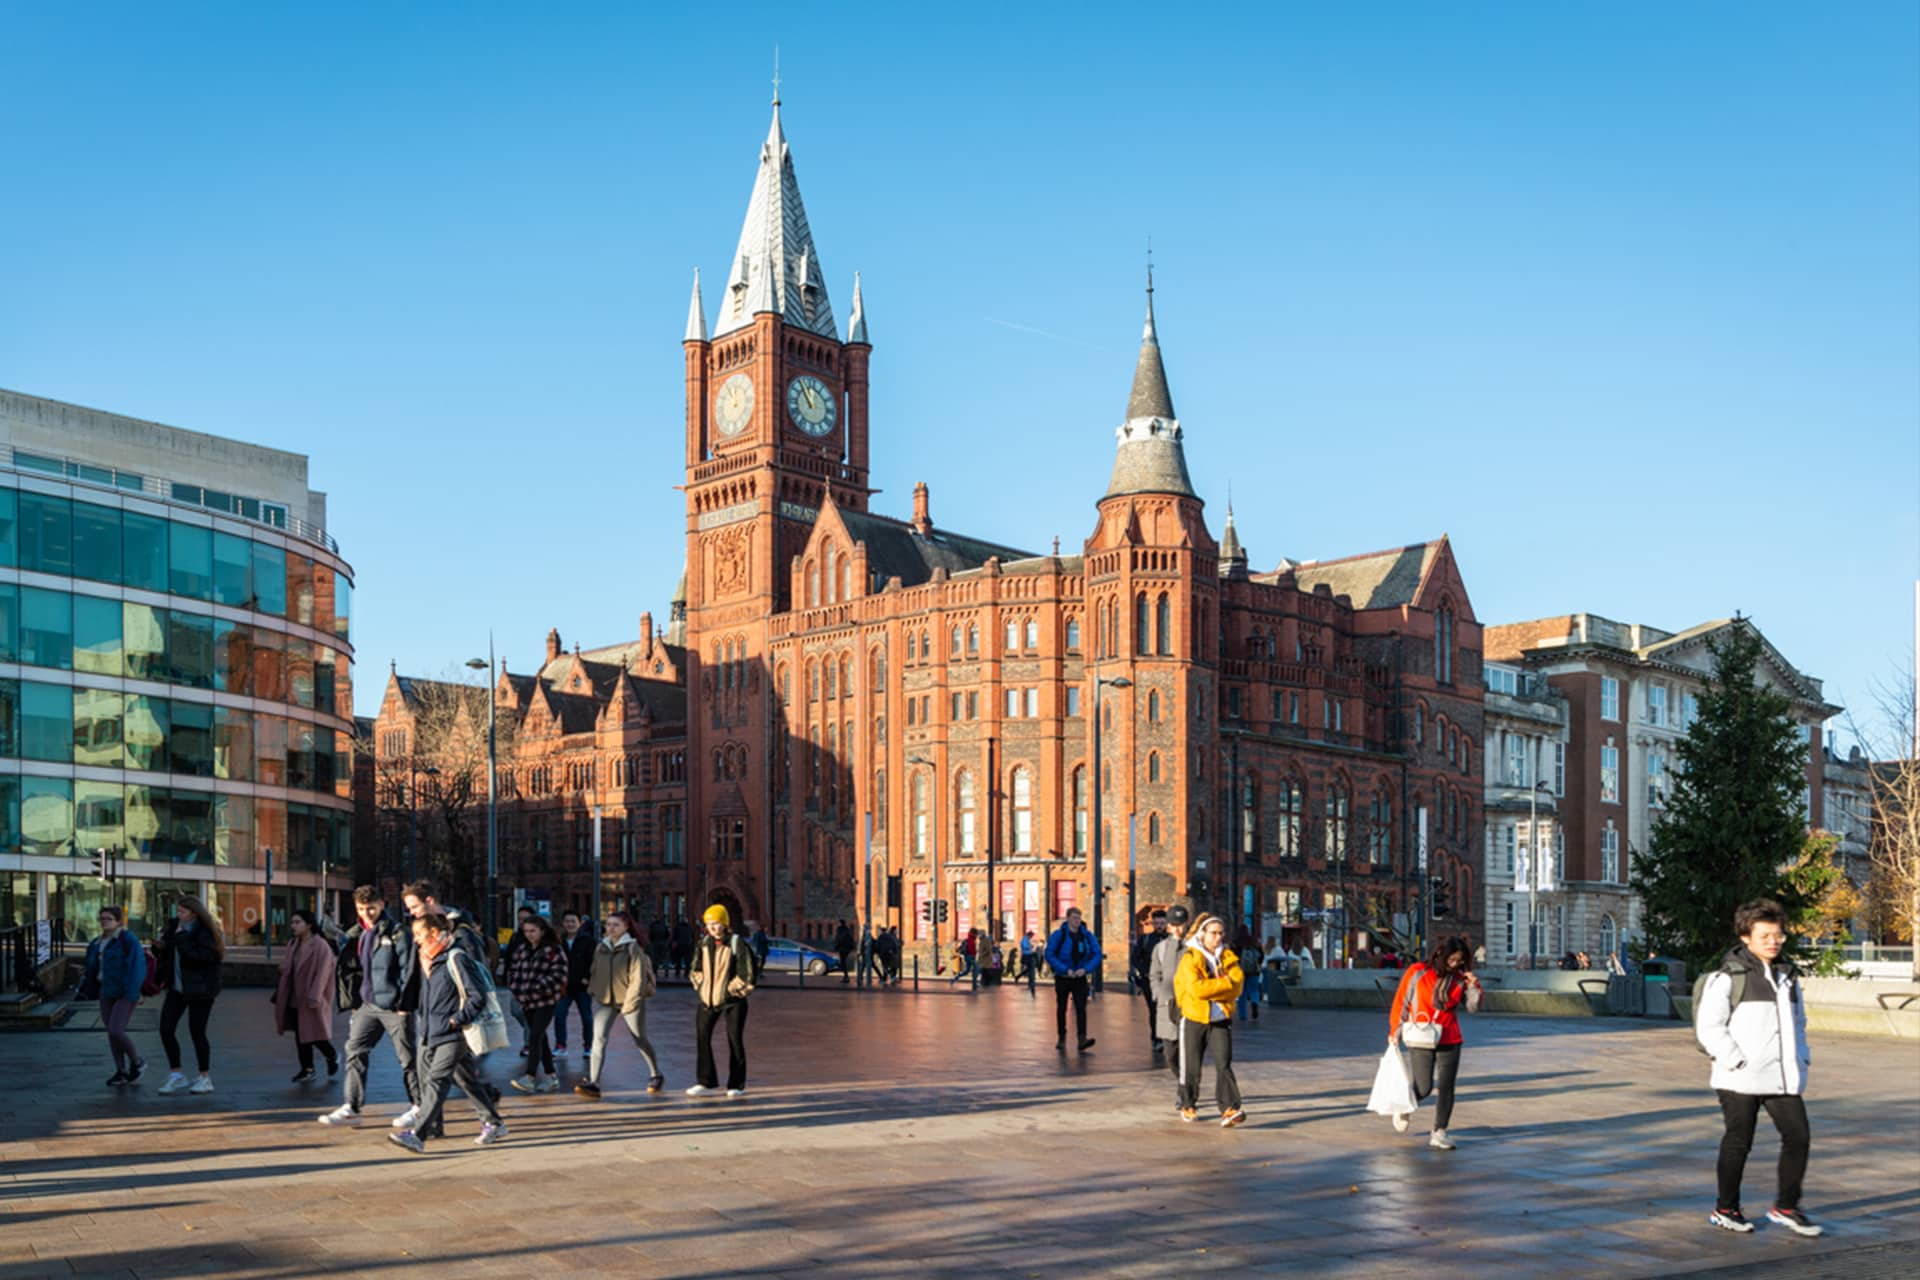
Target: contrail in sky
point(1027, 328)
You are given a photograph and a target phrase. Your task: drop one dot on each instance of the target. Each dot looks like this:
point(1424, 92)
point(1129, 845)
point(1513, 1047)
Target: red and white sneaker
point(1794, 1221)
point(1730, 1220)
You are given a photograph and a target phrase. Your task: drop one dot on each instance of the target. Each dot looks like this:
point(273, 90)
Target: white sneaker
point(1439, 1141)
point(176, 1083)
point(699, 1091)
point(1401, 1120)
point(406, 1118)
point(735, 1093)
point(201, 1084)
point(341, 1115)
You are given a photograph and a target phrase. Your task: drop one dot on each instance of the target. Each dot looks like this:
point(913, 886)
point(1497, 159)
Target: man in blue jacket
point(1073, 953)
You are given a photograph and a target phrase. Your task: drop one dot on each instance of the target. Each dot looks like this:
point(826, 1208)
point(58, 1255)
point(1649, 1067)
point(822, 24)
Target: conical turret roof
point(776, 268)
point(1150, 458)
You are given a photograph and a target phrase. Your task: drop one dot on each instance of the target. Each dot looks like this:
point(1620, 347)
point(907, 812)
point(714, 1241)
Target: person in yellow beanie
point(723, 974)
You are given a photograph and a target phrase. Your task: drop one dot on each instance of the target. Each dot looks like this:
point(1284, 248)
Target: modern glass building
point(175, 674)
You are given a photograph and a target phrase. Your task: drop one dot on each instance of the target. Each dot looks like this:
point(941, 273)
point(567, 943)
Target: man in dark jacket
point(453, 995)
point(843, 947)
point(682, 946)
point(722, 973)
point(1073, 953)
point(421, 899)
point(577, 940)
point(375, 977)
point(1140, 964)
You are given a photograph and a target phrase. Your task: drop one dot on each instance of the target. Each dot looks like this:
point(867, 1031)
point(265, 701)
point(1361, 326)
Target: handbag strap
point(1413, 987)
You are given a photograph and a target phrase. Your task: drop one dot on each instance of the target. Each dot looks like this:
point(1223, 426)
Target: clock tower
point(776, 419)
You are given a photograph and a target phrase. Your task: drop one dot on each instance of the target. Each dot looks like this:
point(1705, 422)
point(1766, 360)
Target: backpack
point(152, 985)
point(1740, 979)
point(742, 953)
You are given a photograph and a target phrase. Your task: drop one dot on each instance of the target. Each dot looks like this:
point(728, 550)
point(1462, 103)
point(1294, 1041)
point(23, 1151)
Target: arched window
point(953, 642)
point(813, 768)
point(1073, 635)
point(1142, 621)
point(813, 681)
point(846, 577)
point(832, 684)
point(813, 584)
point(826, 558)
point(1022, 810)
point(1163, 625)
point(1081, 817)
point(1293, 812)
point(1609, 936)
point(846, 676)
point(879, 799)
point(973, 642)
point(1153, 706)
point(1153, 766)
point(877, 672)
point(921, 821)
point(781, 686)
point(1013, 635)
point(963, 805)
point(1443, 644)
point(1335, 843)
point(833, 768)
point(1153, 828)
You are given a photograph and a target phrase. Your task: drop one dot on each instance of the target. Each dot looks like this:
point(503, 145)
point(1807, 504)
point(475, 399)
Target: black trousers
point(1153, 1017)
point(539, 1051)
point(1742, 1113)
point(1074, 989)
point(735, 1016)
point(1434, 1071)
point(305, 1052)
point(197, 1009)
point(1197, 1039)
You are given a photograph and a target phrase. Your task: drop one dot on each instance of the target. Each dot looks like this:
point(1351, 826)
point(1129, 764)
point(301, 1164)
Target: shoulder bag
point(1417, 1031)
point(489, 1031)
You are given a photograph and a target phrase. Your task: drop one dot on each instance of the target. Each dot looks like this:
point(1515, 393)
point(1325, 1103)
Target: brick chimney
point(553, 644)
point(922, 522)
point(646, 631)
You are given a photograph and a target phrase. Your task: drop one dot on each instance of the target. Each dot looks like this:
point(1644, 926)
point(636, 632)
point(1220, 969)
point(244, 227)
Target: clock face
point(811, 405)
point(733, 407)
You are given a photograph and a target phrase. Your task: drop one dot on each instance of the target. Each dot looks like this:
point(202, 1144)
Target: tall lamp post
point(1533, 870)
point(1099, 862)
point(933, 902)
point(493, 825)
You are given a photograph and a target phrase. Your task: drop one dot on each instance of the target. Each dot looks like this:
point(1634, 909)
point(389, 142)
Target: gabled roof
point(895, 550)
point(776, 268)
point(414, 688)
point(1377, 580)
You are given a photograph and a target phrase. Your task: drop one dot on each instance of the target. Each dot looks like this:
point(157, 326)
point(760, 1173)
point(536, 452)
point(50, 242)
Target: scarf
point(1220, 1012)
point(432, 950)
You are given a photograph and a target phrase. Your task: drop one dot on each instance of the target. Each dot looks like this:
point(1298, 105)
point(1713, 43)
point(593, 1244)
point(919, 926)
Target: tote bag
point(1392, 1088)
point(1421, 1031)
point(489, 1032)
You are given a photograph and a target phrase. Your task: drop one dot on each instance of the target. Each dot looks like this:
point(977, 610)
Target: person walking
point(453, 995)
point(966, 952)
point(843, 947)
point(1751, 1021)
point(303, 1000)
point(723, 972)
point(1205, 986)
point(537, 976)
point(1029, 960)
point(514, 946)
point(379, 983)
point(620, 983)
point(421, 899)
point(1073, 953)
point(868, 962)
point(1140, 969)
point(116, 968)
point(190, 951)
point(890, 954)
point(1424, 1019)
point(1253, 984)
point(1161, 970)
point(682, 946)
point(577, 940)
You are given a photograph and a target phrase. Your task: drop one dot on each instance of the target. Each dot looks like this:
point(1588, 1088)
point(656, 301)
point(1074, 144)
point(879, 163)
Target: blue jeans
point(583, 1002)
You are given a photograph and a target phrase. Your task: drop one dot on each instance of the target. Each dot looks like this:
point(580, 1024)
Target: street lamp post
point(493, 841)
point(1099, 864)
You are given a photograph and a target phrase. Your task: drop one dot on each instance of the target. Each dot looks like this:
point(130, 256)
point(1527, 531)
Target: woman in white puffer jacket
point(1753, 1023)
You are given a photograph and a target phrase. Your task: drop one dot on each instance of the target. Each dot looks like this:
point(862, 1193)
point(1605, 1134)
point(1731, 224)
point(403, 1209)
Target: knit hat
point(716, 912)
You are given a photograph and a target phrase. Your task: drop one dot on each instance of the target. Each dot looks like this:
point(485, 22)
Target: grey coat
point(1166, 962)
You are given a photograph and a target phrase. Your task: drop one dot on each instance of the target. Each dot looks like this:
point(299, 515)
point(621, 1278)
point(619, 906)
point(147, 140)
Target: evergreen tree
point(1736, 825)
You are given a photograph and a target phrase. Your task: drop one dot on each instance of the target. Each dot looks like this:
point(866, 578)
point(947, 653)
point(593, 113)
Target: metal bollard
point(801, 972)
point(916, 973)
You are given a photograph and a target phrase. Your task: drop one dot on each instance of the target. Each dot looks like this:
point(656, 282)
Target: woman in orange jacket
point(1426, 1004)
point(1205, 986)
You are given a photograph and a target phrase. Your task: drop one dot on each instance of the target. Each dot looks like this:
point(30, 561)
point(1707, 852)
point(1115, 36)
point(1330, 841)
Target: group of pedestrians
point(183, 969)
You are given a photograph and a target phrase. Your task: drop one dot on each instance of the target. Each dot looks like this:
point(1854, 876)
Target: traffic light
point(940, 910)
point(102, 866)
point(1439, 899)
point(926, 912)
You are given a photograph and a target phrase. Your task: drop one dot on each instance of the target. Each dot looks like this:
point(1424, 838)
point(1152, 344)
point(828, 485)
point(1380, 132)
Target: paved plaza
point(940, 1134)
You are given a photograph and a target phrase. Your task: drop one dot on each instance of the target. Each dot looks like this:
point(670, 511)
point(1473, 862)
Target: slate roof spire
point(1150, 458)
point(776, 267)
point(857, 323)
point(1233, 557)
point(696, 314)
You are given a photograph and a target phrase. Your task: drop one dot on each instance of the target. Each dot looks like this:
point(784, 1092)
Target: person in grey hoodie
point(1752, 1022)
point(1160, 970)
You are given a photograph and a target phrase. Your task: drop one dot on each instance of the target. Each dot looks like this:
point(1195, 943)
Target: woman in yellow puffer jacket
point(1205, 986)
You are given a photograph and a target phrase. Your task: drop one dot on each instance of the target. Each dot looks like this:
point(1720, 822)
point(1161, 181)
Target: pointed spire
point(1233, 557)
point(696, 314)
point(857, 322)
point(1150, 458)
point(775, 266)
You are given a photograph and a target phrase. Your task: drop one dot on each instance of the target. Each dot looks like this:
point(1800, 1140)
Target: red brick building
point(1275, 742)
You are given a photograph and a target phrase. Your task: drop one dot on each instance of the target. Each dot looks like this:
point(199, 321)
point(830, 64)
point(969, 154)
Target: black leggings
point(539, 1048)
point(197, 1009)
point(1434, 1071)
point(1742, 1113)
point(305, 1049)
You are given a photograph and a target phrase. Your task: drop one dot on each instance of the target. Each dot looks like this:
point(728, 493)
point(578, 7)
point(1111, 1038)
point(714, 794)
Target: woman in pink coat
point(304, 1001)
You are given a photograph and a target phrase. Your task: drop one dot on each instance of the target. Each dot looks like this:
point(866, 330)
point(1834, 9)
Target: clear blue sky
point(1626, 298)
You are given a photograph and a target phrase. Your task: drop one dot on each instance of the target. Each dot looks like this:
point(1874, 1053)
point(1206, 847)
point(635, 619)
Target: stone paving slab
point(940, 1134)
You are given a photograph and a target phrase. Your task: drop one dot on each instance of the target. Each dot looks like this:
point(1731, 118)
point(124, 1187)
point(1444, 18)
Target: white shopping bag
point(1392, 1087)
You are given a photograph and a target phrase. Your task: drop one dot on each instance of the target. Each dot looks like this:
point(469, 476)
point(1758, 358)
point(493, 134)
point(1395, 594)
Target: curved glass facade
point(175, 691)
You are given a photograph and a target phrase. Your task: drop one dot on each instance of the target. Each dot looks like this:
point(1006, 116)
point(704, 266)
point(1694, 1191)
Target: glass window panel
point(323, 693)
point(323, 761)
point(269, 827)
point(343, 691)
point(190, 815)
point(9, 717)
point(270, 579)
point(323, 602)
point(300, 671)
point(9, 621)
point(190, 555)
point(146, 819)
point(342, 607)
point(232, 570)
point(96, 636)
point(46, 817)
point(99, 810)
point(343, 765)
point(190, 649)
point(233, 831)
point(143, 543)
point(46, 533)
point(233, 744)
point(143, 630)
point(143, 732)
point(9, 526)
point(10, 814)
point(269, 664)
point(96, 542)
point(46, 722)
point(97, 727)
point(46, 628)
point(232, 656)
point(190, 740)
point(300, 588)
point(300, 764)
point(270, 749)
point(302, 851)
